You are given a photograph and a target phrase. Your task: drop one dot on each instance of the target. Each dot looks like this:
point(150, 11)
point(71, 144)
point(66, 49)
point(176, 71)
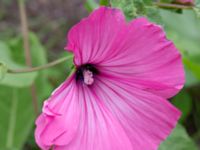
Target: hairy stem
point(51, 64)
point(176, 6)
point(27, 52)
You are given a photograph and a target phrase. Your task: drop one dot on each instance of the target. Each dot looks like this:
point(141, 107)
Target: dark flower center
point(86, 73)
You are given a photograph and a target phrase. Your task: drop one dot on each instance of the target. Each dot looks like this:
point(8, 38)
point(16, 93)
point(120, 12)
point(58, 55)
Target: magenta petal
point(116, 99)
point(60, 118)
point(146, 118)
point(147, 59)
point(41, 122)
point(91, 39)
point(109, 115)
point(79, 122)
point(137, 51)
point(98, 129)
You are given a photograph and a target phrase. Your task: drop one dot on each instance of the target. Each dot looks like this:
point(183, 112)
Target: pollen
point(88, 77)
point(86, 74)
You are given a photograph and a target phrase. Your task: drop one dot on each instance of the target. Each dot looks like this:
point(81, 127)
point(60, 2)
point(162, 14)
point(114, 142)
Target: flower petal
point(41, 122)
point(59, 121)
point(78, 122)
point(147, 59)
point(98, 129)
point(137, 51)
point(91, 39)
point(125, 108)
point(146, 118)
point(115, 115)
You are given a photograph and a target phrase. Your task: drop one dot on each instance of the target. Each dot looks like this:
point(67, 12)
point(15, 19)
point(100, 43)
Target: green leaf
point(194, 68)
point(153, 14)
point(197, 11)
point(167, 1)
point(178, 140)
point(90, 5)
point(16, 110)
point(183, 101)
point(14, 80)
point(104, 2)
point(127, 6)
point(18, 80)
point(136, 8)
point(3, 70)
point(16, 117)
point(191, 79)
point(38, 52)
point(39, 57)
point(184, 30)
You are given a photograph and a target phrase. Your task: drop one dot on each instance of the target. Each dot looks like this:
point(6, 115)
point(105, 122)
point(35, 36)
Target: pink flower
point(117, 97)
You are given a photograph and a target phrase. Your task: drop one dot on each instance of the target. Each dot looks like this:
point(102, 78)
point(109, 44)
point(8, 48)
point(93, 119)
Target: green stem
point(176, 6)
point(27, 51)
point(51, 64)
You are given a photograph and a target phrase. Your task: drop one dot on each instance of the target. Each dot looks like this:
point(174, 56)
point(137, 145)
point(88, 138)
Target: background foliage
point(49, 22)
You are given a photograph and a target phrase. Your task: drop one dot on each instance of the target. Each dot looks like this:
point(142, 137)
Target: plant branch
point(177, 6)
point(27, 52)
point(24, 27)
point(51, 64)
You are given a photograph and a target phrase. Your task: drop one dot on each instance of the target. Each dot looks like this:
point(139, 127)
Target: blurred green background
point(48, 22)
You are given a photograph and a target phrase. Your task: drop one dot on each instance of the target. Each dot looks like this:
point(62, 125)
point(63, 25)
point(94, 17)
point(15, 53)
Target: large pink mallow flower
point(116, 99)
